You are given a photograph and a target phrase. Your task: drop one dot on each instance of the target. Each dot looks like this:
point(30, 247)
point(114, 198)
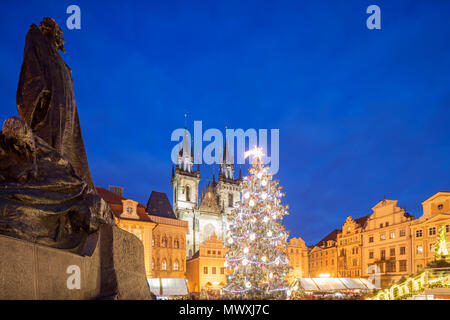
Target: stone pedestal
point(111, 266)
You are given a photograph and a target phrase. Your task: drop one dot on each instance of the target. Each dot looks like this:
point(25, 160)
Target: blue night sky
point(362, 114)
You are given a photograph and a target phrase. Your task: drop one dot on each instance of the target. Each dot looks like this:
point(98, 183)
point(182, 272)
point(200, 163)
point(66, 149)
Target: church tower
point(185, 183)
point(228, 188)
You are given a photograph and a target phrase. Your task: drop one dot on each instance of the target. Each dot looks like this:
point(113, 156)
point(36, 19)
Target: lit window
point(164, 265)
point(392, 235)
point(419, 249)
point(382, 236)
point(176, 266)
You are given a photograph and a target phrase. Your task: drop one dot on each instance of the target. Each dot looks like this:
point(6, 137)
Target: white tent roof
point(168, 286)
point(329, 284)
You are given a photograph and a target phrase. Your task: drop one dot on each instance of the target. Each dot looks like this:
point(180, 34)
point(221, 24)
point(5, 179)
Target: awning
point(168, 286)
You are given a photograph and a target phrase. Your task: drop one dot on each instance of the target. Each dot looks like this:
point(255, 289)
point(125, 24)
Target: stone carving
point(45, 98)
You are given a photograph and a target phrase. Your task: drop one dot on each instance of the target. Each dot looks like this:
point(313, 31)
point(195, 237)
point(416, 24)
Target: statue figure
point(45, 98)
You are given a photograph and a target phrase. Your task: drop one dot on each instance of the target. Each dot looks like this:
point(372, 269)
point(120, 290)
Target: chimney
point(116, 189)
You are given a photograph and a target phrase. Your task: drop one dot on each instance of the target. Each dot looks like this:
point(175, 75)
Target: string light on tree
point(258, 246)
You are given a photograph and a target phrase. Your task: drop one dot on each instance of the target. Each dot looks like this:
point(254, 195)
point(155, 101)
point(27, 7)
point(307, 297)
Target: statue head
point(50, 28)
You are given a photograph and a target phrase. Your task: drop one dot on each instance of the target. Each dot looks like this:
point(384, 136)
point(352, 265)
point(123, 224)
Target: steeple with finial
point(226, 166)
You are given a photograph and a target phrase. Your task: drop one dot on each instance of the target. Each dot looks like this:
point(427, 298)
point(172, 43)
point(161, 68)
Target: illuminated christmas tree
point(257, 241)
point(440, 248)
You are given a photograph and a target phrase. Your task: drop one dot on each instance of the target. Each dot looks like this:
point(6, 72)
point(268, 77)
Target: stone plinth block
point(110, 266)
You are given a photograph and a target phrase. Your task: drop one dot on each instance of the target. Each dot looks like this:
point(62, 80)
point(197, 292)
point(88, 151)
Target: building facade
point(162, 235)
point(349, 246)
point(386, 245)
point(298, 259)
point(424, 230)
point(205, 269)
point(323, 257)
point(207, 213)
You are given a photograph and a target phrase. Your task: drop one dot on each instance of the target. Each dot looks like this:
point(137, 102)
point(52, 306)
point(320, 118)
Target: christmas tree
point(440, 248)
point(257, 241)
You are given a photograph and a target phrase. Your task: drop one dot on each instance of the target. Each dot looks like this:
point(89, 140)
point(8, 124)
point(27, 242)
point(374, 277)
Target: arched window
point(170, 242)
point(153, 264)
point(230, 200)
point(164, 265)
point(153, 241)
point(176, 266)
point(188, 193)
point(164, 242)
point(176, 244)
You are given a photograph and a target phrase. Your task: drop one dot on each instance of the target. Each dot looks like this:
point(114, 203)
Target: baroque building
point(424, 230)
point(298, 259)
point(205, 271)
point(207, 213)
point(349, 242)
point(323, 257)
point(387, 243)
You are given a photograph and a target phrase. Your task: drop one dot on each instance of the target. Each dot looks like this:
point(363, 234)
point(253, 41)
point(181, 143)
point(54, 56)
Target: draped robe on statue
point(45, 97)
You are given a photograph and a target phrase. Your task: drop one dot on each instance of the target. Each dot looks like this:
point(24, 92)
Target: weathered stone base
point(111, 266)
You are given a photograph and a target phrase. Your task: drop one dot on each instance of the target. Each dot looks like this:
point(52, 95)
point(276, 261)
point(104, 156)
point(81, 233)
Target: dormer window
point(440, 206)
point(129, 209)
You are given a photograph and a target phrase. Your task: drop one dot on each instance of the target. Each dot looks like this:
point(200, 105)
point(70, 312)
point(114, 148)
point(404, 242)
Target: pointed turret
point(226, 166)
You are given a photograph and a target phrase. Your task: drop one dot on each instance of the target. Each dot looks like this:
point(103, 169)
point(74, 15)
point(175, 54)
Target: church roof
point(159, 205)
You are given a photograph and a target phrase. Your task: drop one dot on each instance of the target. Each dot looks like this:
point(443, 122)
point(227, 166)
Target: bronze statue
point(45, 97)
point(46, 191)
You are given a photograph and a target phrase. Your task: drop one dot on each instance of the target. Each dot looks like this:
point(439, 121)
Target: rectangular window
point(205, 270)
point(382, 236)
point(381, 225)
point(432, 231)
point(402, 266)
point(371, 239)
point(419, 249)
point(392, 235)
point(392, 252)
point(431, 247)
point(447, 228)
point(390, 266)
point(402, 233)
point(386, 224)
point(213, 270)
point(418, 233)
point(383, 254)
point(402, 250)
point(222, 270)
point(370, 254)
